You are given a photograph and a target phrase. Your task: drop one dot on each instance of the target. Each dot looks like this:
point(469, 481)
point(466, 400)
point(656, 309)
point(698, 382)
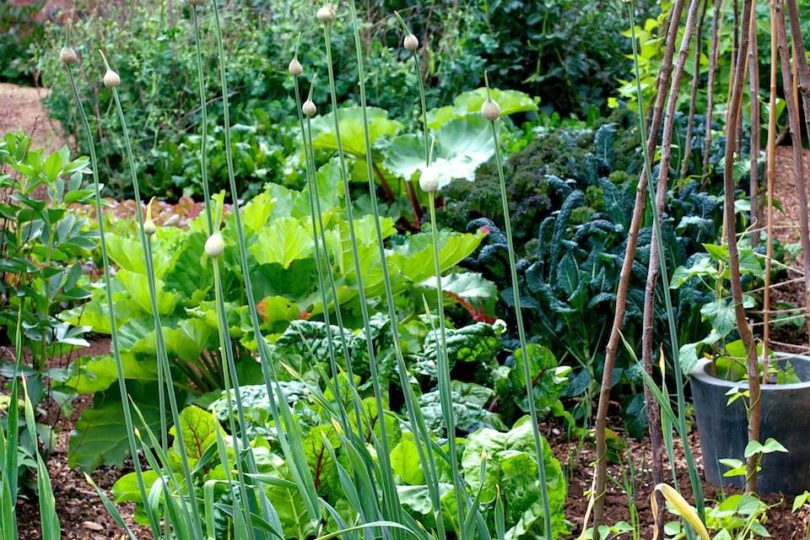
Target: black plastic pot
point(723, 429)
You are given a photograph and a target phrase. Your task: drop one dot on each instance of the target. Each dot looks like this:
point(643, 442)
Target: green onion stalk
point(68, 57)
point(316, 197)
point(491, 112)
point(326, 15)
point(429, 183)
point(213, 248)
point(112, 81)
point(460, 492)
point(694, 477)
point(296, 70)
point(290, 437)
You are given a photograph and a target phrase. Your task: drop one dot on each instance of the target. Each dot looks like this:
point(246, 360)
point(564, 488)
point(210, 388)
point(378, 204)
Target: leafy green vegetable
point(100, 433)
point(511, 472)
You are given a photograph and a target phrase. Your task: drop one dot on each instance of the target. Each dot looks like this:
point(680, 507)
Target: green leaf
point(772, 445)
point(736, 467)
point(137, 290)
point(512, 469)
point(199, 430)
point(257, 212)
point(126, 489)
point(286, 240)
point(470, 402)
point(459, 147)
point(471, 287)
point(453, 248)
point(100, 434)
point(405, 461)
point(469, 103)
point(702, 267)
point(190, 339)
point(91, 374)
point(720, 313)
point(351, 129)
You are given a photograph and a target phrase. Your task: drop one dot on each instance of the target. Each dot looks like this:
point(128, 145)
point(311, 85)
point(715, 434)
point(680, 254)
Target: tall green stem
point(289, 438)
point(527, 375)
point(164, 370)
point(320, 262)
point(204, 119)
point(460, 492)
point(442, 352)
point(119, 368)
point(390, 497)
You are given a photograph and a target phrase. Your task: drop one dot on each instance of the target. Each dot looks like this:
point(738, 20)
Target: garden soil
point(21, 108)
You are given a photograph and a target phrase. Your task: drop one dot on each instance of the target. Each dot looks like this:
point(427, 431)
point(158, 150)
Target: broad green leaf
point(91, 374)
point(459, 147)
point(189, 339)
point(257, 212)
point(412, 257)
point(468, 103)
point(471, 287)
point(405, 461)
point(330, 191)
point(100, 434)
point(126, 489)
point(351, 129)
point(286, 240)
point(137, 290)
point(199, 432)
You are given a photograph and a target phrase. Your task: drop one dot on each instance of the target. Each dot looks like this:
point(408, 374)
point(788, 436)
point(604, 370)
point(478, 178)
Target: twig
point(746, 335)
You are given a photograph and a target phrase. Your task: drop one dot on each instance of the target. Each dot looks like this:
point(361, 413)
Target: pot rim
point(701, 373)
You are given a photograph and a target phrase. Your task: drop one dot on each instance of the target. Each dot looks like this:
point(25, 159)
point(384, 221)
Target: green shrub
point(20, 29)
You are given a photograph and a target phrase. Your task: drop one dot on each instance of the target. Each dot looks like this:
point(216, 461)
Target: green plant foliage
point(511, 474)
point(572, 194)
point(100, 436)
point(21, 28)
point(42, 245)
point(279, 239)
point(705, 278)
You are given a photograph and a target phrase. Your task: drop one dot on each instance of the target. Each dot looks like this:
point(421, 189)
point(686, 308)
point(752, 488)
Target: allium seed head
point(111, 79)
point(68, 56)
point(429, 180)
point(215, 245)
point(149, 227)
point(410, 42)
point(295, 67)
point(309, 108)
point(327, 13)
point(490, 110)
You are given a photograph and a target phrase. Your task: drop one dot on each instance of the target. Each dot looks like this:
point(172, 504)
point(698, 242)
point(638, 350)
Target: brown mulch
point(82, 515)
point(781, 523)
